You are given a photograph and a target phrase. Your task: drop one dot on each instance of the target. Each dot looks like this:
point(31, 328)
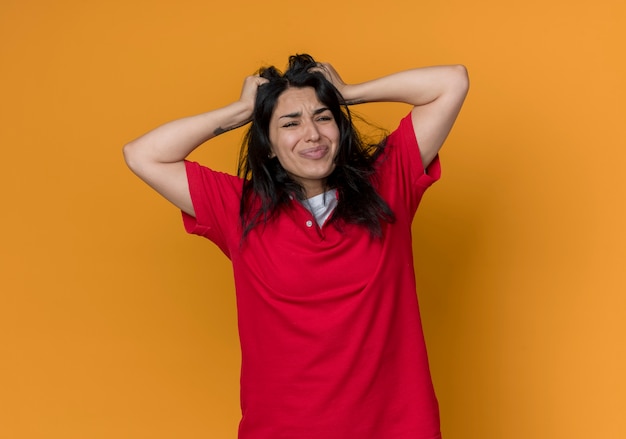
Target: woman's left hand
point(333, 77)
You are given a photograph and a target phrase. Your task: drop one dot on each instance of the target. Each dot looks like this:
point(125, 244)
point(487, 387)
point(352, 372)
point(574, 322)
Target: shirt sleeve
point(401, 173)
point(215, 197)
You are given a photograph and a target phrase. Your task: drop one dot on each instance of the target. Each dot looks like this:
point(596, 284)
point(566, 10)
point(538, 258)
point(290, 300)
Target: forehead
point(297, 99)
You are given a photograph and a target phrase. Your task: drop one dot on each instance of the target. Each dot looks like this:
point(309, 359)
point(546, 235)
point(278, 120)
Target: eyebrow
point(299, 113)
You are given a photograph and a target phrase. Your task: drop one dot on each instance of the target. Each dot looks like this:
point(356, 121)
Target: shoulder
point(402, 151)
point(200, 176)
point(401, 176)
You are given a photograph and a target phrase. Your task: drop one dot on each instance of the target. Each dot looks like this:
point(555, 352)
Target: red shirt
point(331, 338)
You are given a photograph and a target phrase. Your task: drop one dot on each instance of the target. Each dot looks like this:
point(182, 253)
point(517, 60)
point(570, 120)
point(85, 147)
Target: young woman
point(318, 228)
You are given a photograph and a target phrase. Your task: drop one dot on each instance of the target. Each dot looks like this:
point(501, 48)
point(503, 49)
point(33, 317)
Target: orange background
point(116, 324)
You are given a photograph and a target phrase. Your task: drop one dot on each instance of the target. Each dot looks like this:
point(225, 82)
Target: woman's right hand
point(158, 157)
point(249, 90)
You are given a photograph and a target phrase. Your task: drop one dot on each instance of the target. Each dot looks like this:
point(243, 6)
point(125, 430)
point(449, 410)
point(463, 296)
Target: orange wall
point(115, 324)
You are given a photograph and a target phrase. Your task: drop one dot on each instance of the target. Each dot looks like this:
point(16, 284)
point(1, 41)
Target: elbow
point(131, 156)
point(460, 78)
point(127, 152)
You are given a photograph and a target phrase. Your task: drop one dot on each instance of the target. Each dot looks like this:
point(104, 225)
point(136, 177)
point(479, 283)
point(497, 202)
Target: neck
point(313, 187)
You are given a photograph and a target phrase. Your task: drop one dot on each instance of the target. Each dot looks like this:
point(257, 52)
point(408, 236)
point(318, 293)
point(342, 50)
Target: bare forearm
point(173, 141)
point(436, 93)
point(158, 156)
point(416, 87)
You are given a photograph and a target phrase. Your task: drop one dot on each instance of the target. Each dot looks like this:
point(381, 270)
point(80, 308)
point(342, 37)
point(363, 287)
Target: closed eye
point(324, 118)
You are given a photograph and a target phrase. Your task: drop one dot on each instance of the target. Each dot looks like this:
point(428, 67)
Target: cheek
point(332, 132)
point(333, 136)
point(284, 143)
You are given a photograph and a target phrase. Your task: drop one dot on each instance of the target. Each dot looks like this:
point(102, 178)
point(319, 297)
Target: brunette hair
point(267, 187)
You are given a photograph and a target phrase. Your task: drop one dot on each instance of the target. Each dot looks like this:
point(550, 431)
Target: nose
point(312, 133)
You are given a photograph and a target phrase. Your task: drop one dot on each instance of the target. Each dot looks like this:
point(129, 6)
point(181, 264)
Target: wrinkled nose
point(312, 133)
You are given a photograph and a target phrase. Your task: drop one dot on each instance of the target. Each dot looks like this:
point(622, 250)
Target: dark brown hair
point(267, 187)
